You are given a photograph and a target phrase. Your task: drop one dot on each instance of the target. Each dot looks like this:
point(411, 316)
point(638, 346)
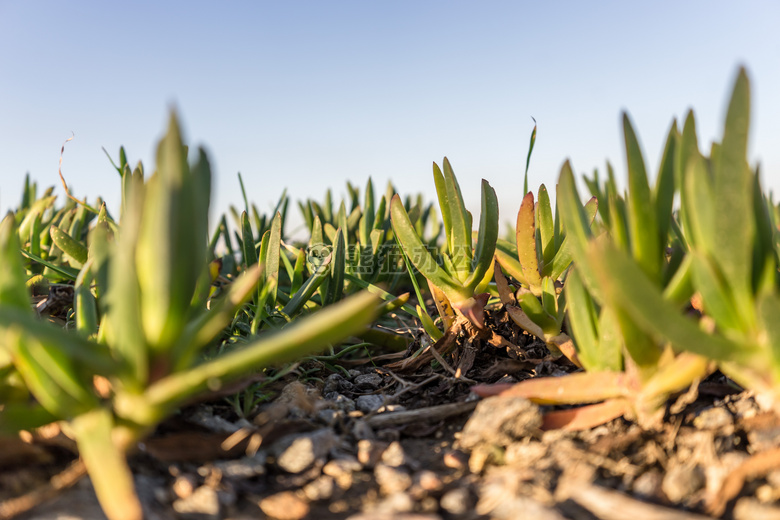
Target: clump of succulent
point(629, 370)
point(458, 284)
point(537, 261)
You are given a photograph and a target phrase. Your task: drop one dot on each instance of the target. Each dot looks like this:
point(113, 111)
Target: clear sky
point(310, 94)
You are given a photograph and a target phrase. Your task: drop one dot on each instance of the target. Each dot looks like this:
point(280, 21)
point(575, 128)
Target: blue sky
point(309, 94)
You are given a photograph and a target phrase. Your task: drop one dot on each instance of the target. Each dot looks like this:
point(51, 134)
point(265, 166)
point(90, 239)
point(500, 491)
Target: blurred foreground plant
point(153, 321)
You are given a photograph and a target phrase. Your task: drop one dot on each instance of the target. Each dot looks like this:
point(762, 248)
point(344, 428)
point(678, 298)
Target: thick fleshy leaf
point(418, 253)
point(506, 254)
point(13, 291)
point(460, 251)
point(576, 224)
point(564, 256)
point(107, 465)
point(172, 242)
point(647, 308)
point(582, 387)
point(526, 244)
point(733, 196)
point(207, 326)
point(642, 215)
point(769, 318)
point(664, 185)
point(486, 240)
point(327, 326)
point(545, 224)
point(715, 293)
point(73, 248)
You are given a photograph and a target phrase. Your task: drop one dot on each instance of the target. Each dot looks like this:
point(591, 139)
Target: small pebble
point(370, 452)
point(681, 482)
point(321, 488)
point(501, 421)
point(393, 504)
point(715, 418)
point(184, 486)
point(391, 480)
point(428, 480)
point(284, 506)
point(457, 501)
point(332, 384)
point(369, 403)
point(202, 501)
point(329, 416)
point(341, 470)
point(455, 459)
point(648, 484)
point(341, 402)
point(394, 455)
point(372, 380)
point(246, 467)
point(298, 452)
point(748, 508)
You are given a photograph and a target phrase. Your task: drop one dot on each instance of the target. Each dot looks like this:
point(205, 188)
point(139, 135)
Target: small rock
point(525, 454)
point(246, 467)
point(353, 373)
point(715, 418)
point(332, 384)
point(394, 455)
point(648, 484)
point(427, 480)
point(341, 402)
point(455, 459)
point(501, 421)
point(284, 506)
point(341, 470)
point(370, 452)
point(184, 486)
point(457, 501)
point(204, 416)
point(391, 480)
point(298, 452)
point(369, 403)
point(748, 508)
point(202, 501)
point(681, 482)
point(762, 439)
point(393, 504)
point(320, 488)
point(329, 416)
point(372, 380)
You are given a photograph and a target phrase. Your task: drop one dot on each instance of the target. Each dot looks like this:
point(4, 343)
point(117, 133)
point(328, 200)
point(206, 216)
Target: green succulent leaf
point(645, 305)
point(486, 240)
point(75, 250)
point(526, 244)
point(642, 215)
point(416, 251)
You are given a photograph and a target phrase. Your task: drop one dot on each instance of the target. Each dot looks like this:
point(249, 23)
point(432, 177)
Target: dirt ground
point(376, 440)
